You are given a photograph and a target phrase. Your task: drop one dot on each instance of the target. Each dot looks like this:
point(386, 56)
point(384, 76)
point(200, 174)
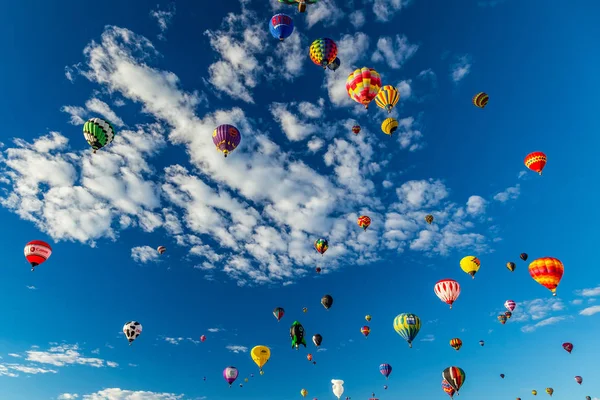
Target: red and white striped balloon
point(447, 290)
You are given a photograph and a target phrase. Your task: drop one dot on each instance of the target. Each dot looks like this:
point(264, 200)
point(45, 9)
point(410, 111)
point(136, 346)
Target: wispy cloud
point(544, 322)
point(592, 292)
point(394, 51)
point(590, 311)
point(215, 330)
point(65, 354)
point(237, 349)
point(428, 338)
point(537, 309)
point(144, 254)
point(461, 68)
point(511, 193)
point(68, 396)
point(31, 287)
point(122, 394)
point(163, 18)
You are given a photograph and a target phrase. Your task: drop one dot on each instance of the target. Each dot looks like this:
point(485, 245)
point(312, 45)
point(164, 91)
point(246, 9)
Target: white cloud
point(31, 287)
point(78, 114)
point(511, 193)
point(357, 18)
point(404, 89)
point(15, 355)
point(289, 58)
point(163, 18)
point(325, 11)
point(237, 349)
point(476, 205)
point(544, 322)
point(144, 254)
point(174, 341)
point(461, 68)
point(577, 302)
point(61, 355)
point(68, 396)
point(394, 51)
point(537, 309)
point(112, 364)
point(428, 338)
point(315, 144)
point(214, 330)
point(408, 134)
point(590, 311)
point(385, 9)
point(7, 370)
point(99, 107)
point(294, 128)
point(121, 394)
point(593, 292)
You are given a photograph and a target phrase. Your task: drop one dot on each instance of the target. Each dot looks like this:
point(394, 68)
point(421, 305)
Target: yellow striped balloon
point(481, 99)
point(389, 126)
point(387, 98)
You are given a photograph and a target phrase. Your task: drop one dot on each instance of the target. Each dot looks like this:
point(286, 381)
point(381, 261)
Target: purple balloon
point(226, 138)
point(230, 374)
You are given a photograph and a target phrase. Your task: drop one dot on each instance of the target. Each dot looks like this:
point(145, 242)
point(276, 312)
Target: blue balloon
point(281, 26)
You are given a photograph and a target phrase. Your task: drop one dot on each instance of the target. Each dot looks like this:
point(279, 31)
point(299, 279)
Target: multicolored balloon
point(547, 271)
point(511, 266)
point(407, 326)
point(364, 222)
point(368, 318)
point(387, 98)
point(385, 370)
point(321, 245)
point(226, 138)
point(579, 379)
point(549, 391)
point(456, 343)
point(363, 85)
point(502, 319)
point(429, 218)
point(37, 252)
point(281, 26)
point(278, 313)
point(161, 249)
point(317, 339)
point(365, 330)
point(356, 129)
point(335, 64)
point(98, 133)
point(455, 376)
point(508, 314)
point(523, 256)
point(447, 388)
point(323, 51)
point(568, 347)
point(536, 161)
point(481, 99)
point(447, 290)
point(230, 374)
point(510, 305)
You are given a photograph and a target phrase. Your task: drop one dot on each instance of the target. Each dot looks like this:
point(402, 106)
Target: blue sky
point(239, 231)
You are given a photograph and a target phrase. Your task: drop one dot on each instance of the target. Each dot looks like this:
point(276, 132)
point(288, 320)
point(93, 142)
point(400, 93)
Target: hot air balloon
point(335, 64)
point(578, 379)
point(385, 387)
point(161, 249)
point(389, 126)
point(508, 314)
point(480, 100)
point(365, 330)
point(385, 369)
point(98, 133)
point(456, 343)
point(368, 318)
point(337, 387)
point(297, 335)
point(301, 3)
point(407, 326)
point(305, 309)
point(321, 245)
point(226, 138)
point(534, 392)
point(327, 301)
point(203, 338)
point(37, 252)
point(260, 355)
point(447, 388)
point(447, 290)
point(323, 51)
point(523, 256)
point(455, 377)
point(470, 264)
point(568, 347)
point(548, 272)
point(364, 222)
point(511, 266)
point(502, 376)
point(132, 330)
point(318, 269)
point(281, 26)
point(309, 357)
point(230, 374)
point(588, 398)
point(304, 392)
point(510, 305)
point(429, 218)
point(356, 129)
point(278, 313)
point(387, 98)
point(536, 161)
point(502, 318)
point(481, 343)
point(363, 85)
point(549, 391)
point(317, 339)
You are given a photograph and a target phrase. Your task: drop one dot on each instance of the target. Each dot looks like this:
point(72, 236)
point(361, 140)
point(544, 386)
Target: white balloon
point(338, 387)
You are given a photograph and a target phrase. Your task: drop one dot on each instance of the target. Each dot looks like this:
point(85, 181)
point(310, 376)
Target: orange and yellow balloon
point(536, 161)
point(387, 98)
point(548, 272)
point(363, 85)
point(456, 343)
point(481, 99)
point(364, 222)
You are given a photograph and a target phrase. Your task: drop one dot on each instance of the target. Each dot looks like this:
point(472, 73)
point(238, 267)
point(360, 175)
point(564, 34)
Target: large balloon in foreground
point(386, 370)
point(407, 326)
point(226, 138)
point(536, 161)
point(260, 355)
point(297, 335)
point(281, 26)
point(363, 85)
point(132, 330)
point(37, 252)
point(337, 387)
point(547, 271)
point(481, 99)
point(387, 98)
point(278, 313)
point(321, 245)
point(568, 347)
point(98, 133)
point(323, 51)
point(455, 377)
point(470, 265)
point(447, 290)
point(230, 374)
point(364, 222)
point(389, 126)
